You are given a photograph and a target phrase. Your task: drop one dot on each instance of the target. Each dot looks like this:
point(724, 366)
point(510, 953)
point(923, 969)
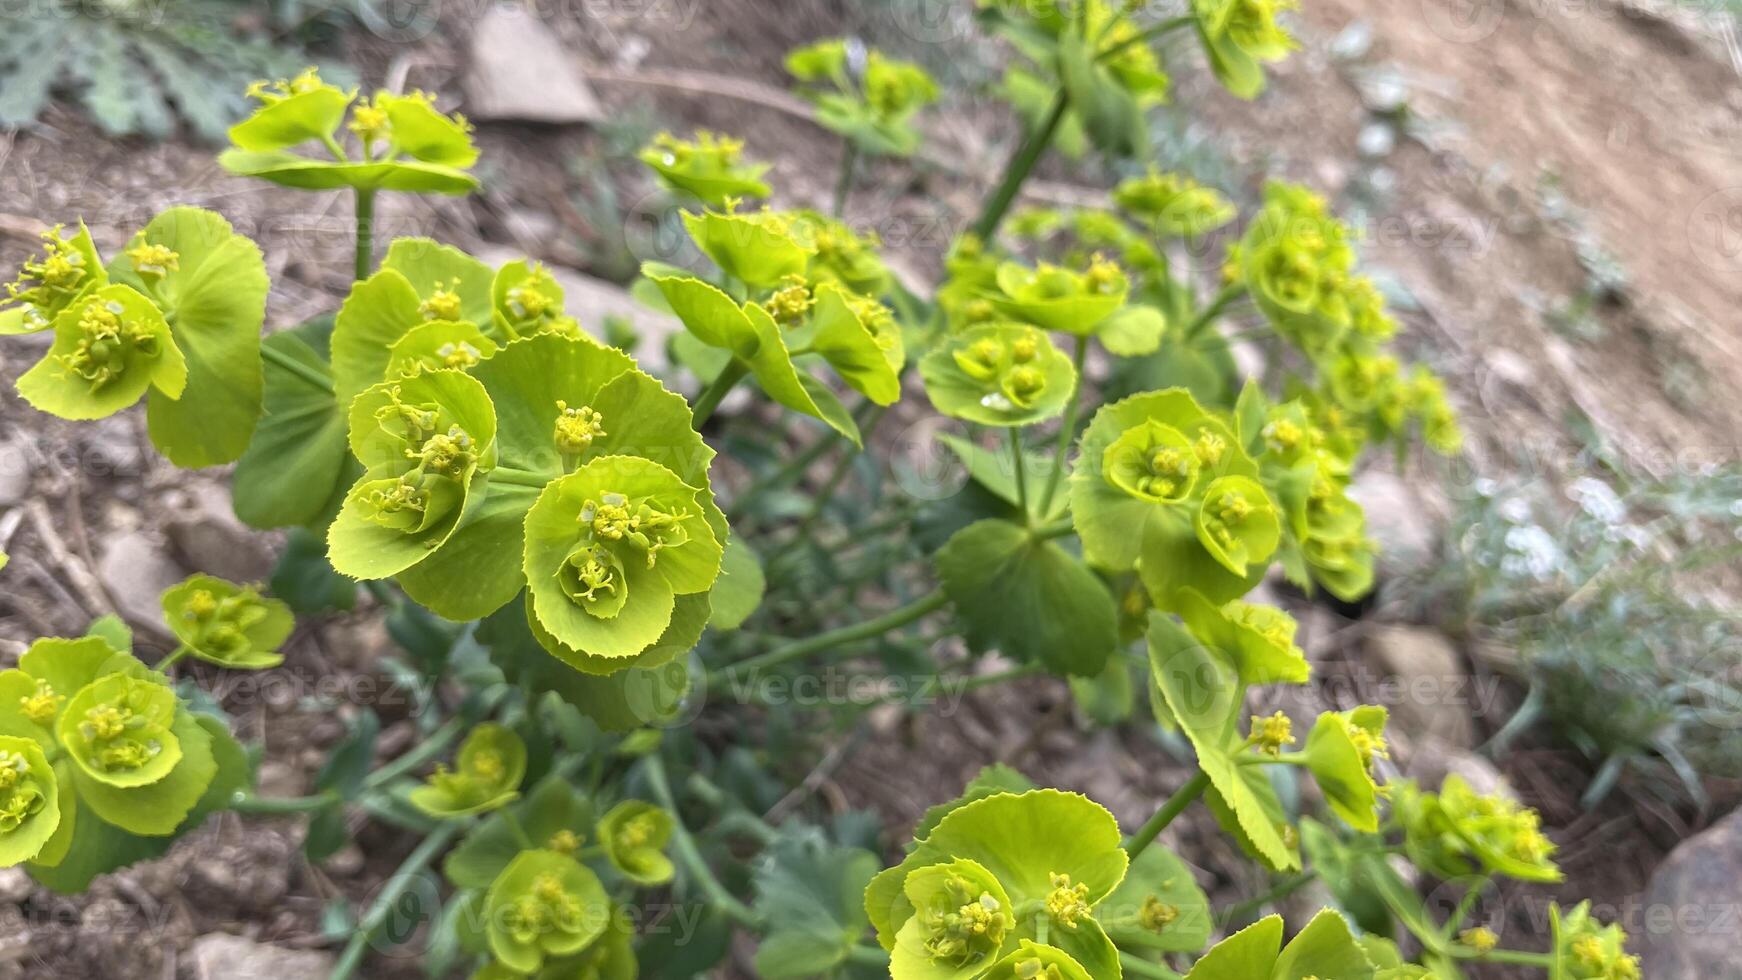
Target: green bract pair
point(1173, 206)
point(1003, 886)
point(1007, 374)
point(1166, 488)
point(1458, 832)
point(1240, 37)
point(101, 762)
point(227, 624)
point(175, 319)
point(402, 142)
point(708, 168)
point(864, 95)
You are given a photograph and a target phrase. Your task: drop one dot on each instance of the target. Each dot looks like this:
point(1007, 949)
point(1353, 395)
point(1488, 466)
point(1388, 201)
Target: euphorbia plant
point(539, 517)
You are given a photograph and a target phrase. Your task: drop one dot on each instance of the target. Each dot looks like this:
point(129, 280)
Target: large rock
point(1426, 684)
point(208, 538)
point(221, 956)
point(1691, 929)
point(520, 72)
point(136, 571)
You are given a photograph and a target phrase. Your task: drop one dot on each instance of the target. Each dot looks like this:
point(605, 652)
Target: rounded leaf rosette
point(111, 346)
point(400, 142)
point(1342, 751)
point(67, 270)
point(1007, 374)
point(993, 873)
point(1241, 37)
point(228, 624)
point(1164, 487)
point(544, 905)
point(425, 444)
point(610, 548)
point(634, 834)
point(486, 775)
point(1458, 832)
point(30, 805)
point(710, 167)
point(1055, 298)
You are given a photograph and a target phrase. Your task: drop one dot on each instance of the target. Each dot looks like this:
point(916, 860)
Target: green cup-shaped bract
point(486, 775)
point(609, 548)
point(962, 922)
point(1259, 639)
point(634, 834)
point(759, 249)
point(68, 269)
point(439, 345)
point(1240, 37)
point(1037, 961)
point(1132, 509)
point(110, 348)
point(1586, 949)
point(1173, 204)
point(1056, 298)
point(227, 624)
point(1342, 751)
point(118, 731)
point(30, 803)
point(1006, 374)
point(709, 167)
point(529, 300)
point(544, 905)
point(424, 441)
point(1457, 832)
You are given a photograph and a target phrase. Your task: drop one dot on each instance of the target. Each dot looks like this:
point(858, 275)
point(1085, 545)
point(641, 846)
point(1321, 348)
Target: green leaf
point(227, 624)
point(1135, 331)
point(32, 801)
point(1028, 598)
point(1111, 115)
point(738, 592)
point(1325, 948)
point(1203, 692)
point(1158, 906)
point(158, 808)
point(1249, 954)
point(706, 168)
point(349, 761)
point(759, 249)
point(810, 893)
point(76, 381)
point(852, 348)
point(293, 473)
point(634, 834)
point(1343, 768)
point(306, 173)
point(215, 302)
point(528, 878)
point(113, 630)
point(312, 114)
point(999, 374)
point(990, 781)
point(377, 314)
point(1055, 298)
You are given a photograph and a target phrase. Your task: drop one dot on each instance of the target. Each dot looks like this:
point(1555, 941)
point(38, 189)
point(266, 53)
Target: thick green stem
point(1136, 966)
point(873, 956)
point(844, 185)
point(716, 392)
point(690, 855)
point(365, 233)
point(296, 367)
point(1516, 956)
point(1067, 429)
point(1021, 473)
point(1472, 895)
point(870, 629)
point(409, 872)
point(173, 658)
point(1020, 166)
point(274, 806)
point(1208, 314)
point(433, 745)
point(1174, 806)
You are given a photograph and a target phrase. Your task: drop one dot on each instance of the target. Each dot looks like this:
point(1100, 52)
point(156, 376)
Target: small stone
point(345, 862)
point(136, 571)
point(15, 472)
point(1690, 929)
point(15, 886)
point(1376, 140)
point(520, 72)
point(221, 956)
point(1396, 518)
point(208, 538)
point(1511, 367)
point(1427, 686)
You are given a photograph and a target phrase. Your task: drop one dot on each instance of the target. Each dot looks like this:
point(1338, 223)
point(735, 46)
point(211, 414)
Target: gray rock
point(15, 886)
point(221, 956)
point(1426, 684)
point(521, 72)
point(16, 468)
point(1691, 929)
point(1397, 518)
point(208, 538)
point(1431, 760)
point(136, 571)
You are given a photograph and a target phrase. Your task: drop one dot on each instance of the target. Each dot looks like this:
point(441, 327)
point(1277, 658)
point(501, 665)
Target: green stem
point(1157, 31)
point(402, 879)
point(1051, 531)
point(872, 956)
point(335, 149)
point(365, 233)
point(690, 855)
point(174, 657)
point(1208, 314)
point(869, 629)
point(844, 185)
point(1240, 910)
point(1020, 166)
point(1021, 473)
point(1067, 429)
point(432, 746)
point(715, 392)
point(296, 367)
point(1174, 806)
point(520, 478)
point(1515, 956)
point(1465, 904)
point(1136, 966)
